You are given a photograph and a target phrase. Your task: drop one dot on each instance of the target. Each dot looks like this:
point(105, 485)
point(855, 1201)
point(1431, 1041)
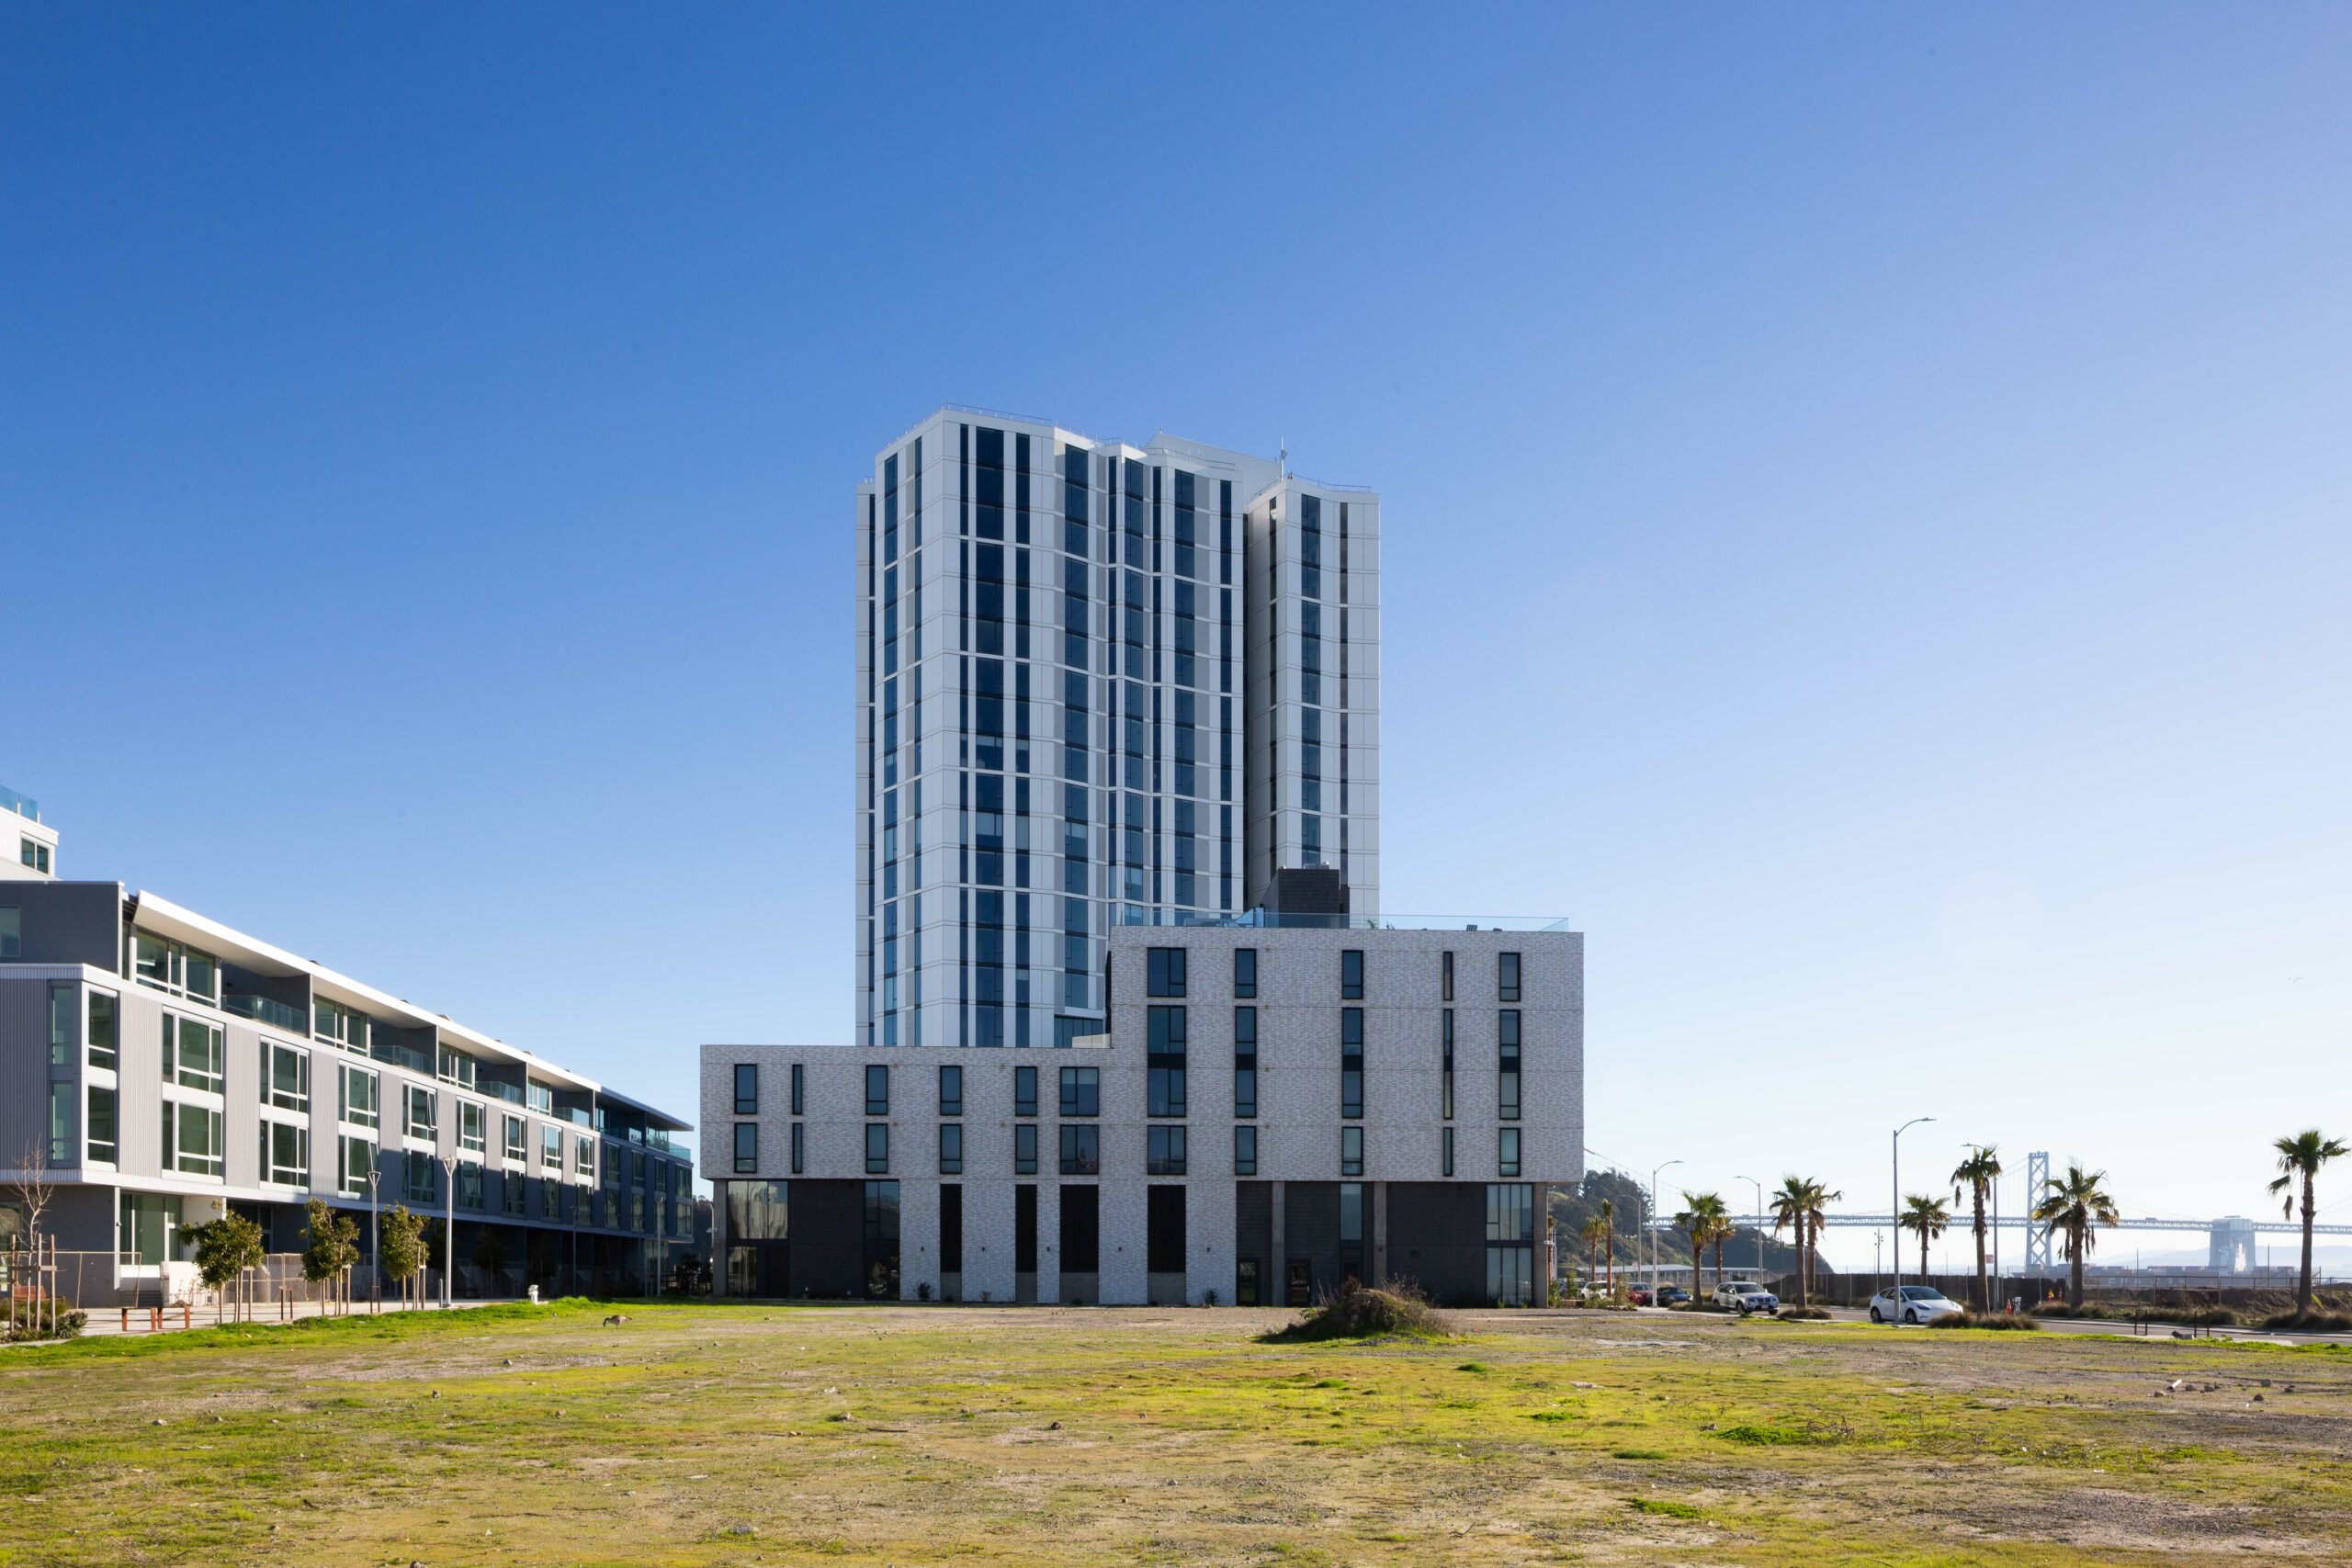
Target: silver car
point(1912, 1304)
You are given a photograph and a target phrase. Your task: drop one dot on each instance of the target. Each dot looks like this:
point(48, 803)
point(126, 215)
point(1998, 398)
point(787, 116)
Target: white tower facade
point(1098, 684)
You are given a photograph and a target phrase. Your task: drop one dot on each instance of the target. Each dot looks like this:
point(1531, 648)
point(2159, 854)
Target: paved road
point(2153, 1330)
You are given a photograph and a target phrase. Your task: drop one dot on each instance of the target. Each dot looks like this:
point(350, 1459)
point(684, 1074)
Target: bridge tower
point(2037, 1238)
point(2229, 1249)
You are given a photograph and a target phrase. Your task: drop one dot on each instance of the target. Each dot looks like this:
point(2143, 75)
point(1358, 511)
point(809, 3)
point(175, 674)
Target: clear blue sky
point(1866, 503)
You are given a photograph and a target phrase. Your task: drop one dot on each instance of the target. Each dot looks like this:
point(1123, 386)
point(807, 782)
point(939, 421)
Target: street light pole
point(1759, 1225)
point(1653, 1228)
point(449, 1226)
point(1897, 1142)
point(375, 1258)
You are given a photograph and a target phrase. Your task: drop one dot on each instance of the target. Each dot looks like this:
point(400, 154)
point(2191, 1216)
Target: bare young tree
point(33, 1190)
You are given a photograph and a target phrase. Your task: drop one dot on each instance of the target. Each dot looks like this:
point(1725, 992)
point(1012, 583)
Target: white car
point(1912, 1304)
point(1743, 1296)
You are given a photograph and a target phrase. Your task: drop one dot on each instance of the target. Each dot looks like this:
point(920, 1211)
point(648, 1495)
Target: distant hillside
point(1570, 1210)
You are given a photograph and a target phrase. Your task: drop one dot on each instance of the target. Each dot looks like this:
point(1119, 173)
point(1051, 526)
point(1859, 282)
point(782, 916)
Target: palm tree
point(1975, 1176)
point(1701, 1217)
point(1929, 1217)
point(1816, 1197)
point(1595, 1236)
point(1793, 1208)
point(2074, 1203)
point(2302, 1155)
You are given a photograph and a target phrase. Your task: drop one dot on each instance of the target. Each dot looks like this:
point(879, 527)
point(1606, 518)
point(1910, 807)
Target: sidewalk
point(142, 1321)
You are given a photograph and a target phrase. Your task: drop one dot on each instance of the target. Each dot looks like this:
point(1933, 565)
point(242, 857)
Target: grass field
point(729, 1435)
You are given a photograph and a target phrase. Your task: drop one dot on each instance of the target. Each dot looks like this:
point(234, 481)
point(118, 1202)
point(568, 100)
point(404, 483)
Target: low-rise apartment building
point(1282, 1104)
point(158, 1067)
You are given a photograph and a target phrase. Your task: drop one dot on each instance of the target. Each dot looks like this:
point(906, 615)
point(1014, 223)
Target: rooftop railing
point(22, 804)
point(1280, 920)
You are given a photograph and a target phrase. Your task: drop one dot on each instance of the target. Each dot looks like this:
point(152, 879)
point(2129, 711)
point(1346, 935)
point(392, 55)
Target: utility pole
point(1759, 1225)
point(1897, 1213)
point(1653, 1228)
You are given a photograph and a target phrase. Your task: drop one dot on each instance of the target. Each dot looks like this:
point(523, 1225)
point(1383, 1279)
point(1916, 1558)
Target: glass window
point(1507, 1151)
point(1024, 1149)
point(877, 1092)
point(551, 1149)
point(286, 1076)
point(1351, 975)
point(951, 1091)
point(877, 1149)
point(583, 1156)
point(337, 1025)
point(417, 1185)
point(1507, 1066)
point(1082, 1091)
point(102, 1027)
point(747, 1147)
point(64, 1137)
point(747, 1089)
point(950, 1148)
point(1166, 972)
point(1245, 971)
point(1445, 1159)
point(418, 1119)
point(12, 932)
point(354, 1160)
point(514, 1146)
point(193, 1054)
point(1081, 1151)
point(1445, 978)
point(1245, 1151)
point(358, 1096)
point(101, 1128)
point(457, 1067)
point(1507, 977)
point(799, 1146)
point(472, 1128)
point(796, 1089)
point(192, 1141)
point(1164, 1152)
point(1024, 1091)
point(284, 1155)
point(65, 1022)
point(1351, 1151)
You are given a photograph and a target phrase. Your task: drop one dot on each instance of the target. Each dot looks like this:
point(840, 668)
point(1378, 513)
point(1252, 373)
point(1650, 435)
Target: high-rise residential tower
point(1099, 685)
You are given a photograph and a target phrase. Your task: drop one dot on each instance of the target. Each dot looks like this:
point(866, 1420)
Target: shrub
point(1805, 1314)
point(2209, 1317)
point(2311, 1321)
point(2010, 1320)
point(2061, 1309)
point(1395, 1309)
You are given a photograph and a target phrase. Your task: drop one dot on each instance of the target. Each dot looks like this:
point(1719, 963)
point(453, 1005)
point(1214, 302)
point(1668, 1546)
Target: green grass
point(710, 1435)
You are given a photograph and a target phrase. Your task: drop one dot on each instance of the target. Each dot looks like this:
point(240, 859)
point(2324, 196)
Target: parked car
point(1639, 1295)
point(1672, 1295)
point(1744, 1296)
point(1912, 1304)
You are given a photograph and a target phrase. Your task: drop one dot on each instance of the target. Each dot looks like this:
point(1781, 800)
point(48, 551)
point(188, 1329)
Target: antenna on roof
point(1282, 462)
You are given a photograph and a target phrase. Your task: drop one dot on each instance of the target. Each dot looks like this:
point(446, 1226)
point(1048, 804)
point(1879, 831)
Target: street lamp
point(449, 1226)
point(375, 1258)
point(1760, 1224)
point(1652, 1230)
point(1897, 1215)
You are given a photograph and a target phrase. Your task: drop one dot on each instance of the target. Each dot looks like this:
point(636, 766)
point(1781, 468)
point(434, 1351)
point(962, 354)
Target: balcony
point(262, 1010)
point(1275, 919)
point(22, 804)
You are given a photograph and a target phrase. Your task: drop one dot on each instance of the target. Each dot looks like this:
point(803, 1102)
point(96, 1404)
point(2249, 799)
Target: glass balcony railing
point(1272, 919)
point(511, 1093)
point(22, 804)
point(262, 1009)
